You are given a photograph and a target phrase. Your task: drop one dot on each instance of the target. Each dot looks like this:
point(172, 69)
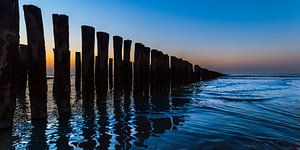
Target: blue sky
point(229, 36)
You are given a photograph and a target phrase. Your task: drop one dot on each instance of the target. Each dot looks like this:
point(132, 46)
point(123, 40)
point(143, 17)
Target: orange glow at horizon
point(206, 61)
point(50, 61)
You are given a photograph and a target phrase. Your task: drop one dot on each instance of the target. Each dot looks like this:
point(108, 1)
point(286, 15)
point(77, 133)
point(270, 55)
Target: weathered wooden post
point(189, 69)
point(177, 71)
point(185, 71)
point(181, 70)
point(166, 69)
point(9, 39)
point(78, 72)
point(126, 62)
point(156, 72)
point(88, 42)
point(97, 80)
point(22, 72)
point(130, 75)
point(199, 75)
point(110, 73)
point(96, 76)
point(138, 64)
point(189, 72)
point(196, 73)
point(179, 75)
point(117, 42)
point(146, 69)
point(61, 85)
point(102, 82)
point(204, 74)
point(153, 68)
point(37, 70)
point(161, 68)
point(174, 71)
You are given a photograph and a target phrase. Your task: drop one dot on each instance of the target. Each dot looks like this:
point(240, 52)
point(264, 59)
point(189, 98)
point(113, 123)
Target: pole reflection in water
point(64, 130)
point(38, 135)
point(120, 127)
point(103, 127)
point(119, 121)
point(88, 129)
point(141, 122)
point(199, 115)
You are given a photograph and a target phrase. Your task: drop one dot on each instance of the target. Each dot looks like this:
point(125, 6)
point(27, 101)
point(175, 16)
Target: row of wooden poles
point(152, 68)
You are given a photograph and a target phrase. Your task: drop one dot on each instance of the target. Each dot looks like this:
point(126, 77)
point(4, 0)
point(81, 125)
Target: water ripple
point(233, 112)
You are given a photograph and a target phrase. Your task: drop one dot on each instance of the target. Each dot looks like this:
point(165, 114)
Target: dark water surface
point(234, 112)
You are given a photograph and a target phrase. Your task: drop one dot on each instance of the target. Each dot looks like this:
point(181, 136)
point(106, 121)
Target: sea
point(230, 112)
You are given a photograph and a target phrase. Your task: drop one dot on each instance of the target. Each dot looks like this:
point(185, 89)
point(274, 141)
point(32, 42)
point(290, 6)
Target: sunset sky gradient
point(232, 36)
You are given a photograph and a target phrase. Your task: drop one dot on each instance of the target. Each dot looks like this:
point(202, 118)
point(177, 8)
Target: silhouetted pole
point(208, 74)
point(181, 71)
point(173, 71)
point(161, 67)
point(126, 63)
point(22, 72)
point(117, 42)
point(130, 75)
point(197, 73)
point(9, 39)
point(185, 71)
point(88, 42)
point(190, 72)
point(78, 72)
point(146, 70)
point(158, 72)
point(166, 70)
point(61, 85)
point(102, 68)
point(37, 70)
point(138, 69)
point(110, 73)
point(97, 85)
point(154, 69)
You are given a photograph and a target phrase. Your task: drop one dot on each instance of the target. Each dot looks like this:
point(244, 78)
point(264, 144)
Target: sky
point(232, 36)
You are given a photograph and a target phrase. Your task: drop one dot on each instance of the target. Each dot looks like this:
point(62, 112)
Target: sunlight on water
point(234, 112)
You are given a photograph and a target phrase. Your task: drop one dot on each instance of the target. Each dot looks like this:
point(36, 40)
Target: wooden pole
point(130, 75)
point(181, 72)
point(37, 70)
point(103, 45)
point(167, 71)
point(160, 69)
point(174, 71)
point(146, 70)
point(153, 69)
point(126, 63)
point(97, 76)
point(9, 39)
point(138, 64)
point(190, 72)
point(117, 42)
point(78, 72)
point(196, 73)
point(110, 73)
point(23, 72)
point(61, 85)
point(88, 42)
